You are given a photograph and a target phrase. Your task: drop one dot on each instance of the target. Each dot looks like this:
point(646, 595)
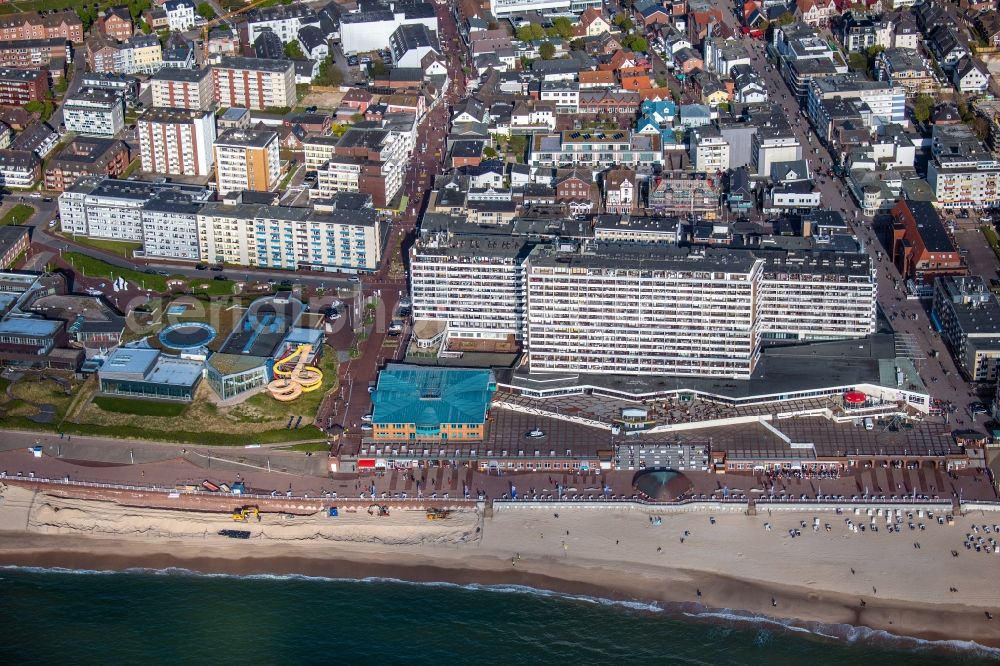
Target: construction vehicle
point(438, 514)
point(243, 514)
point(379, 510)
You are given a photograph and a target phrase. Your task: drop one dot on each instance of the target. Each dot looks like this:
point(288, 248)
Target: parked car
point(200, 267)
point(221, 277)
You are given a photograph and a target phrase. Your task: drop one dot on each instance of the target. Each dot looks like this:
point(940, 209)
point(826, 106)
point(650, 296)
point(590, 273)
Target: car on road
point(220, 277)
point(216, 268)
point(352, 61)
point(354, 278)
point(52, 223)
point(977, 408)
point(367, 418)
point(200, 267)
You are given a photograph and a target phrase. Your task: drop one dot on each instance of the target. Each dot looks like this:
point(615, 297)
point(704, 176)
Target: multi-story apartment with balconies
point(64, 25)
point(472, 287)
point(383, 154)
point(176, 141)
point(254, 83)
point(284, 20)
point(35, 53)
point(246, 159)
point(597, 149)
point(816, 295)
point(94, 111)
point(20, 86)
point(959, 181)
point(291, 238)
point(100, 207)
point(175, 88)
point(623, 309)
point(637, 308)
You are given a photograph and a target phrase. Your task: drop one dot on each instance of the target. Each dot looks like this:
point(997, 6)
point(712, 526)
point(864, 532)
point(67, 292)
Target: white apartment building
point(283, 20)
point(626, 313)
point(174, 88)
point(170, 229)
point(817, 296)
point(473, 287)
point(886, 100)
point(340, 173)
point(709, 150)
point(180, 14)
point(620, 308)
point(371, 30)
point(19, 169)
point(246, 160)
point(318, 148)
point(176, 141)
point(964, 182)
point(768, 147)
point(254, 83)
point(505, 8)
point(290, 238)
point(99, 207)
point(95, 112)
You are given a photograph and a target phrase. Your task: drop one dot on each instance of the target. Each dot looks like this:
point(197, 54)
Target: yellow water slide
point(291, 382)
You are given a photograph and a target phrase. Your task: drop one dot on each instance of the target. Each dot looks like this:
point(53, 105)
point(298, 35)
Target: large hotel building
point(639, 309)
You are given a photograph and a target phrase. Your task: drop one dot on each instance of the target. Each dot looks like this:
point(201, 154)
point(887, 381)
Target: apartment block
point(65, 25)
point(960, 181)
point(471, 287)
point(283, 20)
point(177, 141)
point(969, 318)
point(817, 295)
point(886, 100)
point(246, 160)
point(709, 150)
point(385, 154)
point(340, 173)
point(100, 207)
point(254, 83)
point(620, 310)
point(35, 53)
point(175, 88)
point(597, 149)
point(170, 227)
point(318, 148)
point(86, 156)
point(290, 238)
point(20, 86)
point(19, 169)
point(94, 111)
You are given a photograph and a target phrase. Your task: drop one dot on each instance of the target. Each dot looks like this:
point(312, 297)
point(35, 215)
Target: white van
point(869, 424)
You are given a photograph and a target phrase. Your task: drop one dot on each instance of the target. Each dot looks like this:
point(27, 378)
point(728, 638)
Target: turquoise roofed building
point(663, 111)
point(418, 403)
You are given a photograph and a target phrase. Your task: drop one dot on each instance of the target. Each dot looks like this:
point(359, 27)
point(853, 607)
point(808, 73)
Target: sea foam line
point(848, 633)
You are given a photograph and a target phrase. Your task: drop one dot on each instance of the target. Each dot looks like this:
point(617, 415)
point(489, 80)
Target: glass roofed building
point(415, 403)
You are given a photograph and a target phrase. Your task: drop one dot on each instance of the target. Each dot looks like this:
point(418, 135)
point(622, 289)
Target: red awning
point(855, 398)
point(366, 463)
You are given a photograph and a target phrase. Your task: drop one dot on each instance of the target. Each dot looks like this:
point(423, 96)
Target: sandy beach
point(877, 580)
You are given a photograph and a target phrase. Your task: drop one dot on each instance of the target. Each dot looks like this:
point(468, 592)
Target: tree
point(329, 75)
point(563, 27)
point(624, 23)
point(205, 11)
point(923, 105)
point(490, 153)
point(857, 62)
point(518, 146)
point(294, 51)
point(636, 42)
point(577, 45)
point(530, 32)
point(547, 50)
point(379, 69)
point(144, 27)
point(786, 19)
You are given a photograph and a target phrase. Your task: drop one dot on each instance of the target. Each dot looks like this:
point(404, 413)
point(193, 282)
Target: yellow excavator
point(438, 514)
point(243, 514)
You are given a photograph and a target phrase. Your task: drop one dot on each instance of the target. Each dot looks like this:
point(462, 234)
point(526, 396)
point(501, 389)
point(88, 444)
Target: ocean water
point(175, 617)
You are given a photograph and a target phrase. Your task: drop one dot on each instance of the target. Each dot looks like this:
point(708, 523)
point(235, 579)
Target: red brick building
point(921, 247)
point(20, 86)
point(86, 156)
point(32, 25)
point(117, 23)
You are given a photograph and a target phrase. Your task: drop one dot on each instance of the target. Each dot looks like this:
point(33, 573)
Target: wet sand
point(734, 564)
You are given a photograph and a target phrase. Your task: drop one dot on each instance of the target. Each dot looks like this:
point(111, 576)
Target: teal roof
point(432, 396)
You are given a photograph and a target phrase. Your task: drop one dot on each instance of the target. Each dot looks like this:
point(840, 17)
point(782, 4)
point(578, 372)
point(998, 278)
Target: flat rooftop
point(264, 325)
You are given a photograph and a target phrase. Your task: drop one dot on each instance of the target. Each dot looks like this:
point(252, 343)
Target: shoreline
point(824, 615)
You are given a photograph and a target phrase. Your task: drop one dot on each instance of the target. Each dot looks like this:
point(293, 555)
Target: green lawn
point(139, 407)
point(121, 248)
point(132, 167)
point(19, 214)
point(92, 267)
